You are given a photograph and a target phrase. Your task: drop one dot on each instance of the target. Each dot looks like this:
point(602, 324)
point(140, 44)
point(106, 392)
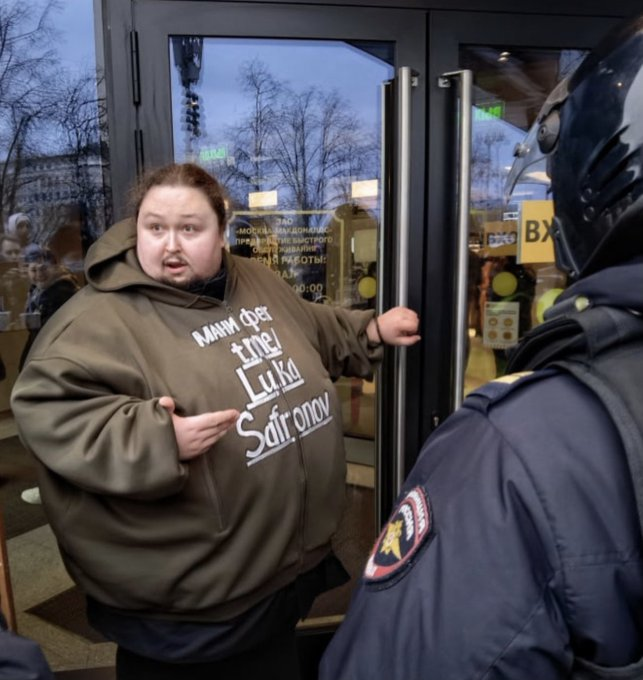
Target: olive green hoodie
point(206, 539)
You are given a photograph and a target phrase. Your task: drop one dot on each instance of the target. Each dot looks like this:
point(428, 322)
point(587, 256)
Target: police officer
point(514, 551)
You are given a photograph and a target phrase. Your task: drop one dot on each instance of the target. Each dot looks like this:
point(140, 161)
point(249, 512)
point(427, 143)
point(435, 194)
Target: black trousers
point(275, 659)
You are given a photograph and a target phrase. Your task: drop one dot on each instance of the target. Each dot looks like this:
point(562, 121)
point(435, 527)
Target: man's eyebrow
point(161, 216)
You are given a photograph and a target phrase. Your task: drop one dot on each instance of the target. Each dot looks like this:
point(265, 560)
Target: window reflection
point(512, 275)
point(53, 154)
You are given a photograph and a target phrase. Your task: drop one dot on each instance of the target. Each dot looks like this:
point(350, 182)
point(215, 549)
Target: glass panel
point(512, 276)
point(292, 129)
point(53, 156)
point(55, 201)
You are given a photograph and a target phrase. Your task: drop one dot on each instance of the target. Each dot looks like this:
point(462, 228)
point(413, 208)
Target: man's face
point(41, 273)
point(11, 250)
point(178, 239)
point(23, 231)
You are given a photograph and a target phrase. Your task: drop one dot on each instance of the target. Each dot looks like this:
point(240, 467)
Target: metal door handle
point(403, 189)
point(465, 78)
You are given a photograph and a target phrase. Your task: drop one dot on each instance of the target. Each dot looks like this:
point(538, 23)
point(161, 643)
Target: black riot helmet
point(591, 131)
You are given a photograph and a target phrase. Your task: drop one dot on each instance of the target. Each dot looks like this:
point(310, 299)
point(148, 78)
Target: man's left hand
point(397, 326)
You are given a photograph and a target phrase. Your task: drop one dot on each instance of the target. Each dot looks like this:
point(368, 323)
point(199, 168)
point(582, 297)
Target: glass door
point(512, 278)
point(290, 108)
point(499, 271)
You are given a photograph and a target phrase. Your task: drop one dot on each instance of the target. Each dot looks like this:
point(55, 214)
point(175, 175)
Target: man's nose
point(172, 243)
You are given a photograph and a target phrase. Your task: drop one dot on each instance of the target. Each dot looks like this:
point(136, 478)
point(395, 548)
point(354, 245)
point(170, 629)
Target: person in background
point(10, 248)
point(50, 287)
point(14, 282)
point(189, 439)
point(19, 226)
point(515, 548)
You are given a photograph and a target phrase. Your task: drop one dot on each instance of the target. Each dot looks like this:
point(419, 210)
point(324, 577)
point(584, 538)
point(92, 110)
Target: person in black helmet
point(515, 548)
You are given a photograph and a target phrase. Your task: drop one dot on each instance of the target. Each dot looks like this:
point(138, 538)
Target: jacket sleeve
point(343, 343)
point(55, 297)
point(473, 600)
point(84, 427)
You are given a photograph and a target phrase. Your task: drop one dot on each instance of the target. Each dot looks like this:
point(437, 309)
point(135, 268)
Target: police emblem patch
point(402, 537)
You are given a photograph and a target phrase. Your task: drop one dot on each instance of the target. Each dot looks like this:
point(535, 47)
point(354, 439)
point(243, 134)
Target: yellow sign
point(536, 243)
point(500, 238)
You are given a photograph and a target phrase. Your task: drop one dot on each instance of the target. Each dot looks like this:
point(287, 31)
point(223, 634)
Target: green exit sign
point(217, 153)
point(492, 111)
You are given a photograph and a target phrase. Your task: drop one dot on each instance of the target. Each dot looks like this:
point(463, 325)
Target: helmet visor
point(529, 166)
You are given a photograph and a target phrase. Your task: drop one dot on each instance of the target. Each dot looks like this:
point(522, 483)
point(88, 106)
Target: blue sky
point(75, 23)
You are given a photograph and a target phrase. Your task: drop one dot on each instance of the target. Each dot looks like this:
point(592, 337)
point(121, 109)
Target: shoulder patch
point(495, 390)
point(401, 539)
point(512, 377)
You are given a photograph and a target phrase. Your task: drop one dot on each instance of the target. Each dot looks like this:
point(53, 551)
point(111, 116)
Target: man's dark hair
point(183, 175)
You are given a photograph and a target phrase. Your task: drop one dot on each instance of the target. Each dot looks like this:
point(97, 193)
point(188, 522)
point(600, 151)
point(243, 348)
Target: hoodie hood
point(112, 265)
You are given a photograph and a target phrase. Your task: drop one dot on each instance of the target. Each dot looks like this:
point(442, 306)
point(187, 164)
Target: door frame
point(139, 96)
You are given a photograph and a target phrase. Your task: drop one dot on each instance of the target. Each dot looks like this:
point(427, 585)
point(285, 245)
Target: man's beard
point(202, 285)
point(191, 285)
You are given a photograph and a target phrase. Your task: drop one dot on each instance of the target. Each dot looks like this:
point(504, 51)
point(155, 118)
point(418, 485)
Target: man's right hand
point(196, 434)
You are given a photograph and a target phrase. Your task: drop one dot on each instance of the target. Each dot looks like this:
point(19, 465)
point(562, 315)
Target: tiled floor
point(37, 574)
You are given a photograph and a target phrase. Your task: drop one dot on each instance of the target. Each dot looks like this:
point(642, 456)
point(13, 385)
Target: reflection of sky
point(325, 65)
point(74, 21)
point(73, 46)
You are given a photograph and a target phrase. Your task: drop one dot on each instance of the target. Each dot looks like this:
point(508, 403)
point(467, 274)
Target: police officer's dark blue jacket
point(514, 551)
point(20, 657)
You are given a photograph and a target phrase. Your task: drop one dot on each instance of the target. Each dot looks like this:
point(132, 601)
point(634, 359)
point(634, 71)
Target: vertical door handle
point(406, 81)
point(383, 493)
point(395, 172)
point(463, 184)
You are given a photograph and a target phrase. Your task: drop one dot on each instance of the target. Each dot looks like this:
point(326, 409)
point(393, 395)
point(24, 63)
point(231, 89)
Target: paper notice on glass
point(500, 328)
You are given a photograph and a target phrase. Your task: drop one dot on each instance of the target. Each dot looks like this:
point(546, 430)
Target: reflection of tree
point(45, 112)
point(307, 144)
point(80, 115)
point(26, 75)
point(251, 137)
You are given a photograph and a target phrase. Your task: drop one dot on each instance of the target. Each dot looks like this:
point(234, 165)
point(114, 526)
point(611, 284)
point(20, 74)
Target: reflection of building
point(54, 189)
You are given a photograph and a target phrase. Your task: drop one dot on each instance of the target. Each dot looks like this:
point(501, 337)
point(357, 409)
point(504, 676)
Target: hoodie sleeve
point(343, 343)
point(82, 429)
point(337, 334)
